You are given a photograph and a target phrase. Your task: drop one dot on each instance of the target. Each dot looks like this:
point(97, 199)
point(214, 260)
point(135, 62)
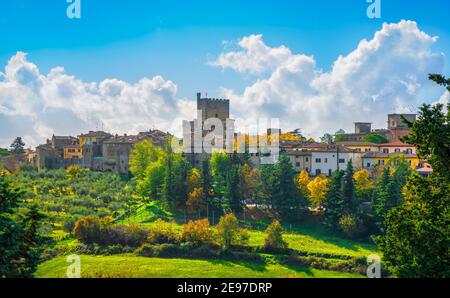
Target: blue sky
point(132, 65)
point(132, 39)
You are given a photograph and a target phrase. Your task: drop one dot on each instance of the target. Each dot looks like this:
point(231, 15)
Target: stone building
point(96, 150)
point(51, 154)
point(397, 127)
point(207, 108)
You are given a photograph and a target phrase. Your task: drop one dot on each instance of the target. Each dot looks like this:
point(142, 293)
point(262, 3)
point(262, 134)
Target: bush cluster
point(101, 231)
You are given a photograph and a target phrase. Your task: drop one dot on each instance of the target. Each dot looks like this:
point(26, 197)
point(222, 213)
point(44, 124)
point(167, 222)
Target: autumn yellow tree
point(250, 181)
point(318, 188)
point(196, 201)
point(363, 185)
point(302, 181)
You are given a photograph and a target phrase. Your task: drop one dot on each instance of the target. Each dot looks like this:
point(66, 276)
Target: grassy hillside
point(313, 240)
point(125, 265)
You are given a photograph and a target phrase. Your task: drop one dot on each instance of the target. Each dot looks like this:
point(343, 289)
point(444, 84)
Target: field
point(118, 266)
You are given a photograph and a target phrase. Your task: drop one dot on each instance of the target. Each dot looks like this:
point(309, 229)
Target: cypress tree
point(334, 202)
point(348, 190)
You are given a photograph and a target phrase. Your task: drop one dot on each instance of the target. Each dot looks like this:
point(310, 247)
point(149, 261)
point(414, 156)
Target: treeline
point(222, 183)
point(352, 203)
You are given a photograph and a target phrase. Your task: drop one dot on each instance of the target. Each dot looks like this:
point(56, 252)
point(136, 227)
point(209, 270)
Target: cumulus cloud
point(385, 74)
point(35, 106)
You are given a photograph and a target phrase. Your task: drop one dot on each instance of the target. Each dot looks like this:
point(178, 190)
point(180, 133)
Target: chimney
point(199, 95)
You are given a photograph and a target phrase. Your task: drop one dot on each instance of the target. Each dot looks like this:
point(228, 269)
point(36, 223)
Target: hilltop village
point(102, 151)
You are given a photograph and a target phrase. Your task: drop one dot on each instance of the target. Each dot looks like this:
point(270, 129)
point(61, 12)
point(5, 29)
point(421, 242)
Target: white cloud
point(385, 74)
point(35, 106)
point(255, 57)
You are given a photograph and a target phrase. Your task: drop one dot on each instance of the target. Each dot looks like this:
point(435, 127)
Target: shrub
point(228, 231)
point(162, 250)
point(128, 235)
point(197, 232)
point(162, 232)
point(146, 250)
point(92, 229)
point(69, 223)
point(274, 239)
point(351, 226)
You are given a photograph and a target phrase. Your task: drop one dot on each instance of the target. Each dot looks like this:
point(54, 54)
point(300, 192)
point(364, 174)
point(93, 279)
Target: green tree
point(143, 154)
point(220, 166)
point(386, 197)
point(274, 237)
point(334, 203)
point(417, 238)
point(206, 178)
point(20, 242)
point(228, 230)
point(326, 138)
point(375, 138)
point(280, 191)
point(17, 145)
point(182, 169)
point(233, 191)
point(168, 187)
point(348, 189)
point(33, 243)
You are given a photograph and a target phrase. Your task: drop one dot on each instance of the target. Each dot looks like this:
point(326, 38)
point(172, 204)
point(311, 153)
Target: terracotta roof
point(395, 144)
point(356, 143)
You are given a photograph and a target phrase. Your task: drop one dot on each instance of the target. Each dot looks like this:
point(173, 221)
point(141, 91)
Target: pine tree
point(17, 145)
point(168, 187)
point(334, 203)
point(417, 234)
point(11, 231)
point(206, 181)
point(233, 191)
point(33, 242)
point(348, 189)
point(280, 189)
point(20, 242)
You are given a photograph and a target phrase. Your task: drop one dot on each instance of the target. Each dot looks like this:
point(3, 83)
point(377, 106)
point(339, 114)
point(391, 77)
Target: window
point(307, 169)
point(318, 160)
point(318, 172)
point(329, 172)
point(385, 150)
point(381, 162)
point(326, 160)
point(297, 164)
point(368, 165)
point(409, 151)
point(367, 150)
point(307, 159)
point(341, 160)
point(397, 150)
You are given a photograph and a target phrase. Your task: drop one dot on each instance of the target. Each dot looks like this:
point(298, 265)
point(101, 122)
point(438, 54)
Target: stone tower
point(213, 108)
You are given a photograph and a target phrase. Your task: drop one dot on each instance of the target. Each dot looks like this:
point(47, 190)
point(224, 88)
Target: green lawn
point(314, 240)
point(127, 265)
point(311, 241)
